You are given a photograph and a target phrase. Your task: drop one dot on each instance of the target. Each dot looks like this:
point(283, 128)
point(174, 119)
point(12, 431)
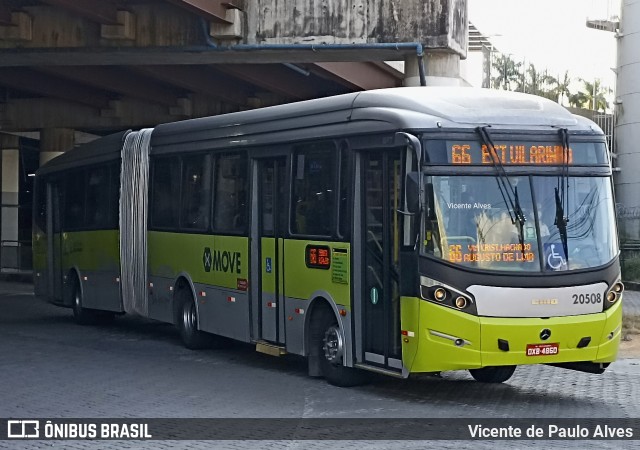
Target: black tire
point(82, 316)
point(325, 333)
point(493, 374)
point(187, 323)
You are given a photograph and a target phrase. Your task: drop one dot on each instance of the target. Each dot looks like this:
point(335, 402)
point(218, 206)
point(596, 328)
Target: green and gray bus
point(397, 231)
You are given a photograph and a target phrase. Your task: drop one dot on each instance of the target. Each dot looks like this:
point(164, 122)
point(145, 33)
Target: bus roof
point(94, 152)
point(370, 112)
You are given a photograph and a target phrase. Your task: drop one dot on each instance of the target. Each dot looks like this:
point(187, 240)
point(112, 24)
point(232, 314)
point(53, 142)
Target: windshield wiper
point(507, 190)
point(562, 204)
point(520, 219)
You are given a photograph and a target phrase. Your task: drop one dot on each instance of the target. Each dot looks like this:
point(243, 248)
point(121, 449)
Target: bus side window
point(40, 217)
point(344, 213)
point(314, 184)
point(114, 196)
point(196, 192)
point(230, 210)
point(97, 210)
point(166, 193)
point(74, 207)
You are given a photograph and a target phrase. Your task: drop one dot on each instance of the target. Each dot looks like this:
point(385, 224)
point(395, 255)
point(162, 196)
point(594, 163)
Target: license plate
point(543, 349)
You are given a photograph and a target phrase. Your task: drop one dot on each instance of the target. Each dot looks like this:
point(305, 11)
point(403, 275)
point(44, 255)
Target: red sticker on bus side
point(243, 285)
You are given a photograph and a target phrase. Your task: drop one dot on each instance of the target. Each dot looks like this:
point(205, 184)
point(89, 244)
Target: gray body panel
point(101, 290)
point(224, 312)
point(160, 298)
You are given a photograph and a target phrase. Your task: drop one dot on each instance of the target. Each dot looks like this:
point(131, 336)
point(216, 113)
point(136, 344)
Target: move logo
point(221, 261)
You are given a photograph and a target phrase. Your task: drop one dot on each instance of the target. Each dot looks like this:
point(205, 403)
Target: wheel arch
point(73, 273)
point(183, 282)
point(322, 299)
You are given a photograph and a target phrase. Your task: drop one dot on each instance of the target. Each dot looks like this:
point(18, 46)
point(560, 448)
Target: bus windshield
point(468, 221)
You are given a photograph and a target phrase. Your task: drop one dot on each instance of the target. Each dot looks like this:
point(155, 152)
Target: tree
point(562, 87)
point(540, 83)
point(592, 96)
point(508, 72)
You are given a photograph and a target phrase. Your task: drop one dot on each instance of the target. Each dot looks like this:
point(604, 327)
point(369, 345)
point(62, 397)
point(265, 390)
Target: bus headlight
point(613, 294)
point(442, 294)
point(461, 302)
point(618, 287)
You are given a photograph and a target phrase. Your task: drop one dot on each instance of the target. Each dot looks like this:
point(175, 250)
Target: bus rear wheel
point(187, 322)
point(493, 374)
point(331, 353)
point(82, 316)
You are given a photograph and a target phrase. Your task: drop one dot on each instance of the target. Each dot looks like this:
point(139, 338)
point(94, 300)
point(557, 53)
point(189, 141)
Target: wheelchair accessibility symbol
point(555, 257)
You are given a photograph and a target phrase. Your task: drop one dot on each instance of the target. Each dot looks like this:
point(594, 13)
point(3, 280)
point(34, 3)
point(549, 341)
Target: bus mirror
point(412, 192)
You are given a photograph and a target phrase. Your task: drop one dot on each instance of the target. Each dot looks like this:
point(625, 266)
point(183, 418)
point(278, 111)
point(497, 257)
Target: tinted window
point(314, 190)
point(74, 201)
point(230, 211)
point(97, 209)
point(114, 195)
point(345, 188)
point(166, 193)
point(196, 192)
point(40, 212)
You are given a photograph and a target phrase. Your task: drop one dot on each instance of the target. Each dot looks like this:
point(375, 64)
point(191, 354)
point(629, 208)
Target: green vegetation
point(514, 75)
point(630, 269)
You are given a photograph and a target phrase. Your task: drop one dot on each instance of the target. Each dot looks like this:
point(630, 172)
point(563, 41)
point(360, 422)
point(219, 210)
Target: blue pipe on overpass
point(319, 47)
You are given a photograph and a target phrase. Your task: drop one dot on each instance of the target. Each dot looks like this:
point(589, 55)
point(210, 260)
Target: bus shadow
point(519, 395)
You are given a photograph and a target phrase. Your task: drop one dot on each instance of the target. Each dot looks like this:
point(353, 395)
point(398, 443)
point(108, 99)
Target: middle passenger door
point(269, 215)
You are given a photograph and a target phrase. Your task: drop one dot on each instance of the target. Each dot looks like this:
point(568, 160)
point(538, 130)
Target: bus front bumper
point(437, 338)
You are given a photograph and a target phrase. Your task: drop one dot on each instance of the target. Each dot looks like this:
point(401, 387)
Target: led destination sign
point(515, 153)
point(519, 154)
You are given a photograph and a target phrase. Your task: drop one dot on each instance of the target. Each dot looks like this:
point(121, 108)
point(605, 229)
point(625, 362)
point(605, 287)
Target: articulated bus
point(397, 231)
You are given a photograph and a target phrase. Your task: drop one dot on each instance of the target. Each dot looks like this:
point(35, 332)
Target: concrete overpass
point(71, 70)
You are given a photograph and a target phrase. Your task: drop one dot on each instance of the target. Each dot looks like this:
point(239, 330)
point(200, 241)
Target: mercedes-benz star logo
point(545, 334)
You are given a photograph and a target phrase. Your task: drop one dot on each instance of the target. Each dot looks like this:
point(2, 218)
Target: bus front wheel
point(493, 374)
point(187, 322)
point(331, 353)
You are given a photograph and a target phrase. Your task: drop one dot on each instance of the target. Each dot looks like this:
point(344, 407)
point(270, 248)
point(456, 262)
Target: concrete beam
point(57, 139)
point(357, 75)
point(274, 78)
point(198, 79)
point(193, 56)
point(19, 29)
point(9, 141)
point(5, 14)
point(99, 11)
point(124, 29)
point(437, 24)
point(214, 10)
point(28, 80)
point(118, 80)
point(35, 114)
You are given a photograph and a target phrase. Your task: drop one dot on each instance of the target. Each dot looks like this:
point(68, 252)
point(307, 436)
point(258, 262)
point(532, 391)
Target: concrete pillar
point(9, 146)
point(411, 71)
point(54, 142)
point(442, 69)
